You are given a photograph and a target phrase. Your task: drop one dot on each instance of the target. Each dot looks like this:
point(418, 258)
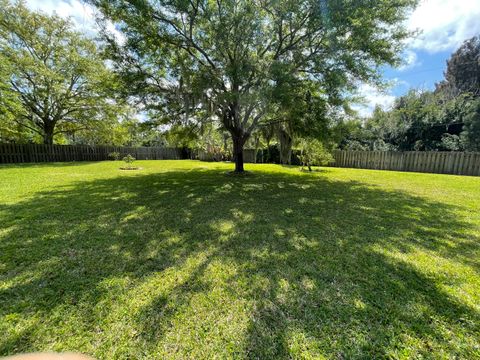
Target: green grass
point(180, 260)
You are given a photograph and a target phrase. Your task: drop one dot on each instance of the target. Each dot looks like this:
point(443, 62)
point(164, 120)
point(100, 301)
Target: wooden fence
point(23, 153)
point(440, 162)
point(459, 163)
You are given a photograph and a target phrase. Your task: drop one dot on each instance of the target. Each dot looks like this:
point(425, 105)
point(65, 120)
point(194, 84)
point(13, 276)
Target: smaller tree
point(114, 155)
point(129, 159)
point(313, 152)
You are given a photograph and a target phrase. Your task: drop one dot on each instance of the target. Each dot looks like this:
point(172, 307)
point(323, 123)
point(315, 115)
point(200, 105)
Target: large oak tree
point(207, 60)
point(54, 79)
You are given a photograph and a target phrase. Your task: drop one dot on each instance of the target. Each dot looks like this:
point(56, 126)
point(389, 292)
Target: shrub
point(214, 153)
point(129, 159)
point(312, 152)
point(115, 155)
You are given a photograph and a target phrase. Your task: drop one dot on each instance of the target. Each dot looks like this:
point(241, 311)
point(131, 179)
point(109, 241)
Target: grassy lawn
point(179, 260)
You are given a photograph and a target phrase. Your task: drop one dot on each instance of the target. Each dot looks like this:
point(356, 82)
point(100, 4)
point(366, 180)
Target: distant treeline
point(445, 119)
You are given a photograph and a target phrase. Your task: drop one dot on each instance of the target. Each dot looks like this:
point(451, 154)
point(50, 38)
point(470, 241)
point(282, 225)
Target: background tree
point(418, 121)
point(221, 57)
point(471, 129)
point(182, 136)
point(445, 119)
point(313, 152)
point(300, 110)
point(463, 70)
point(9, 105)
point(56, 74)
point(267, 132)
point(119, 127)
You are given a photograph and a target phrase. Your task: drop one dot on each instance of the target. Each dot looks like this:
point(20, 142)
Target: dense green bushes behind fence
point(22, 153)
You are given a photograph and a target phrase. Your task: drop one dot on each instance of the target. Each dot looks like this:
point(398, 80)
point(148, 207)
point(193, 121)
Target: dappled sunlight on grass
point(181, 260)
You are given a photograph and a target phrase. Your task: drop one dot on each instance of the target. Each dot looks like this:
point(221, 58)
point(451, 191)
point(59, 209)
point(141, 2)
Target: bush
point(312, 152)
point(129, 159)
point(114, 155)
point(269, 155)
point(214, 153)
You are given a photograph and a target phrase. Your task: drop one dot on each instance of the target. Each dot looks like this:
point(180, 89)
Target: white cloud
point(444, 24)
point(82, 15)
point(396, 82)
point(409, 60)
point(372, 97)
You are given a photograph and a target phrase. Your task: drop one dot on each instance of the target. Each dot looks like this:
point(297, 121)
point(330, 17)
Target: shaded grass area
point(181, 260)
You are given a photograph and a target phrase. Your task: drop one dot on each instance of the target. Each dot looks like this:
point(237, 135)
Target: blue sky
point(442, 26)
point(427, 70)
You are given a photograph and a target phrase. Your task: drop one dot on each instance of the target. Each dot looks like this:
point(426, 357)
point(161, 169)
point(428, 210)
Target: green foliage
point(10, 104)
point(212, 143)
point(238, 62)
point(416, 116)
point(118, 130)
point(129, 159)
point(471, 132)
point(53, 79)
point(419, 120)
point(300, 112)
point(451, 142)
point(207, 139)
point(115, 155)
point(313, 152)
point(444, 119)
point(463, 70)
point(182, 136)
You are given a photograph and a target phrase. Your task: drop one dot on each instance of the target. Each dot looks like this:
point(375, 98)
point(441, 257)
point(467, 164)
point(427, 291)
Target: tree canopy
point(463, 70)
point(204, 60)
point(54, 80)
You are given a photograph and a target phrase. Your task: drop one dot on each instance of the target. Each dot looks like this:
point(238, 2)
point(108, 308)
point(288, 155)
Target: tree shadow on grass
point(199, 264)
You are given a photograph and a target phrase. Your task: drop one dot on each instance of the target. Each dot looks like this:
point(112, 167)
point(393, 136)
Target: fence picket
point(440, 162)
point(460, 163)
point(25, 153)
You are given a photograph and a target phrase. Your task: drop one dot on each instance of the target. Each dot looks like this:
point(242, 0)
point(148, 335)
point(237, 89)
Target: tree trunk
point(285, 146)
point(238, 143)
point(48, 128)
point(268, 159)
point(48, 138)
point(234, 125)
point(257, 145)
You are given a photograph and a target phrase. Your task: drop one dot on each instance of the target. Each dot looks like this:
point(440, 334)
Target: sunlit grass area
point(181, 260)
